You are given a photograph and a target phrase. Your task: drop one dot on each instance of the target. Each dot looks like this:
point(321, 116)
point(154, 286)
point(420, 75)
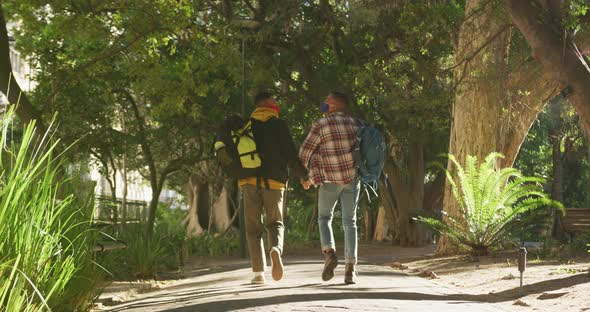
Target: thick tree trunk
point(204, 208)
point(221, 211)
point(191, 221)
point(406, 188)
point(494, 108)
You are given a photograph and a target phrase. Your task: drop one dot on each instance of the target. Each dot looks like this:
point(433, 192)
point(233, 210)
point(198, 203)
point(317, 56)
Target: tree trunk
point(204, 206)
point(555, 137)
point(124, 190)
point(113, 184)
point(404, 196)
point(433, 198)
point(191, 221)
point(369, 220)
point(381, 225)
point(124, 186)
point(494, 108)
point(152, 208)
point(221, 211)
point(156, 183)
point(114, 204)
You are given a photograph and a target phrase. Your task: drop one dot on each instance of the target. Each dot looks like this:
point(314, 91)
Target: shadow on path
point(508, 295)
point(323, 292)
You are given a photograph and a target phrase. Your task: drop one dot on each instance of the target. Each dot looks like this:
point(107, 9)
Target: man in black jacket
point(266, 190)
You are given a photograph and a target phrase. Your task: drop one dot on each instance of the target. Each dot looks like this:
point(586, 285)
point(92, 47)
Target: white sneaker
point(258, 280)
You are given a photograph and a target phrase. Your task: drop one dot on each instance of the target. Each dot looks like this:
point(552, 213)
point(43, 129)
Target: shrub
point(47, 240)
point(168, 248)
point(579, 245)
point(491, 203)
point(172, 236)
point(210, 246)
point(140, 260)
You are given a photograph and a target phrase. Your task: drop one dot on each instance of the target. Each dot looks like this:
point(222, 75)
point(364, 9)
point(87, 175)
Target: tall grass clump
point(493, 203)
point(46, 239)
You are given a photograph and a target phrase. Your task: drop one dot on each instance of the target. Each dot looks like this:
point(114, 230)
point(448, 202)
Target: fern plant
point(492, 203)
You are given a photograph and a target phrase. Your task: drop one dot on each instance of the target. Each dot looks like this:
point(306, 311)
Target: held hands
point(306, 184)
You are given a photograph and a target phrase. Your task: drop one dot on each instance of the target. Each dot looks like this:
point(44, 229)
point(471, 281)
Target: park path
point(380, 289)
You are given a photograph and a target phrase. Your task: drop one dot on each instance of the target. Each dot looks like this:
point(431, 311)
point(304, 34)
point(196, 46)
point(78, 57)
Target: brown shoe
point(276, 263)
point(330, 263)
point(350, 275)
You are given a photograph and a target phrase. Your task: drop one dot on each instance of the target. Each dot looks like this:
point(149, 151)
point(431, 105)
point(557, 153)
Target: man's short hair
point(340, 97)
point(262, 96)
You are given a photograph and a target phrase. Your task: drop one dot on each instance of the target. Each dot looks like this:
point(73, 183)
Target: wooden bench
point(108, 242)
point(576, 220)
point(110, 245)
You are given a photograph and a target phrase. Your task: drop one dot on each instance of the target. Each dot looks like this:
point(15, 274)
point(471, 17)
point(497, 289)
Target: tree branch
point(142, 135)
point(8, 84)
point(564, 64)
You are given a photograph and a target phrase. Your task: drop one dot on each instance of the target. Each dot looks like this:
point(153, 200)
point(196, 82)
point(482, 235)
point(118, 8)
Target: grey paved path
point(380, 289)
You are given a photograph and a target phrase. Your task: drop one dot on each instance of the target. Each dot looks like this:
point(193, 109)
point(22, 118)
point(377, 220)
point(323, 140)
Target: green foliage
point(534, 157)
point(210, 246)
point(172, 236)
point(491, 201)
point(536, 153)
point(46, 256)
point(141, 259)
point(579, 245)
point(300, 212)
point(575, 13)
point(168, 249)
point(152, 79)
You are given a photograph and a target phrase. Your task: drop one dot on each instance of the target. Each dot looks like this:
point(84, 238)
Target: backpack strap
point(259, 181)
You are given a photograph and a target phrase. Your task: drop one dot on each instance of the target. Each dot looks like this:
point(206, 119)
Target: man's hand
point(306, 184)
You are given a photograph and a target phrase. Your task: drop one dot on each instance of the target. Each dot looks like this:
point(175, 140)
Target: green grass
point(46, 260)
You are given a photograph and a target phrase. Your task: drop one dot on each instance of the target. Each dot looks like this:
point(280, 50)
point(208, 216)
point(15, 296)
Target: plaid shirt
point(327, 152)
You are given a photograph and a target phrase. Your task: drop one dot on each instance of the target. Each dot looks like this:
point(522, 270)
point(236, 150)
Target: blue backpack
point(370, 152)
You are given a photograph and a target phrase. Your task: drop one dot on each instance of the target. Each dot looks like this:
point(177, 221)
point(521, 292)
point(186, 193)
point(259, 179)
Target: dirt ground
point(549, 285)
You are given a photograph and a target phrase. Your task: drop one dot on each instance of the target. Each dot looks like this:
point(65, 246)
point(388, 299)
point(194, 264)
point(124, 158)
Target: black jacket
point(275, 145)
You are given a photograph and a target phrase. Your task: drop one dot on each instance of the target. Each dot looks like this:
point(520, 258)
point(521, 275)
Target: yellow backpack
point(246, 146)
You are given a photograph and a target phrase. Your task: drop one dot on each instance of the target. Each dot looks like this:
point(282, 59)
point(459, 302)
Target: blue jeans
point(348, 195)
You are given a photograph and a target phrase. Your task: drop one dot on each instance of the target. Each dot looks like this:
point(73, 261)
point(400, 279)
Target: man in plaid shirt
point(327, 153)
